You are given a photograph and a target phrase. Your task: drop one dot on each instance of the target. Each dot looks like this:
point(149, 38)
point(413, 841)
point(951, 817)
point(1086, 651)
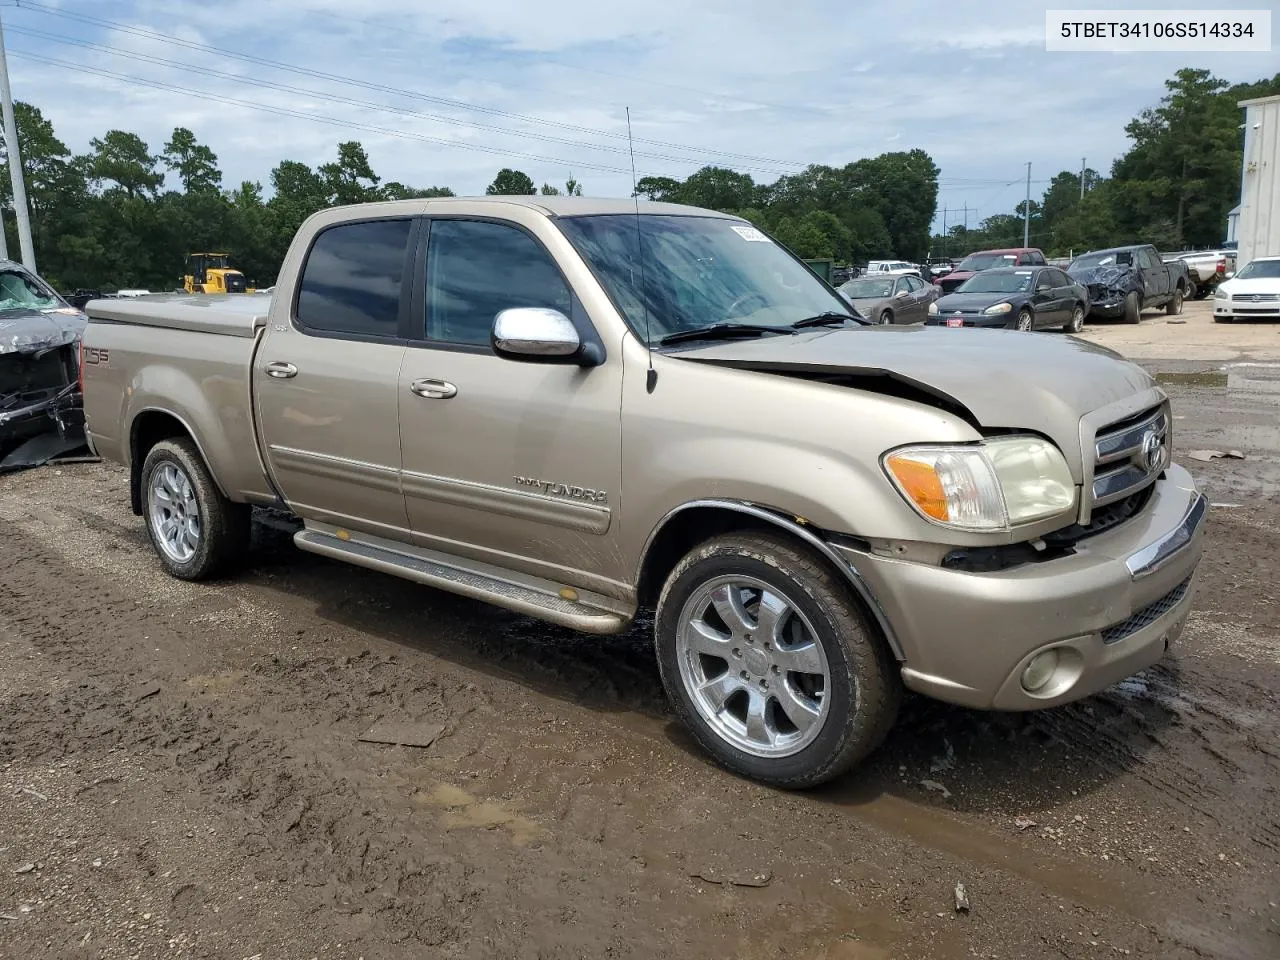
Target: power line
point(37, 7)
point(364, 104)
point(288, 112)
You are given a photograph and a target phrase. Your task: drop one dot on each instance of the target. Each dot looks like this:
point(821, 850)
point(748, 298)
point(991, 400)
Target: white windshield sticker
point(749, 233)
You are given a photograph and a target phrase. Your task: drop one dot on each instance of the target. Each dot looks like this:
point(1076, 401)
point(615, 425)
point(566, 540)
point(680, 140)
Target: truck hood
point(31, 331)
point(996, 379)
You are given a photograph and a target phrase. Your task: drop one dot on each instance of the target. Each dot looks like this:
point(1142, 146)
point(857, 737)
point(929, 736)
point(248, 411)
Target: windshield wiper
point(829, 319)
point(723, 331)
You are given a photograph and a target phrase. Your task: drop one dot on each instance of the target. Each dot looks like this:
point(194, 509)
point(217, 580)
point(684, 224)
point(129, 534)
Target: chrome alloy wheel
point(752, 664)
point(175, 514)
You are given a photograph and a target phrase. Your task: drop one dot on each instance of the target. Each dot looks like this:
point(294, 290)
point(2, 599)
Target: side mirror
point(540, 335)
point(899, 295)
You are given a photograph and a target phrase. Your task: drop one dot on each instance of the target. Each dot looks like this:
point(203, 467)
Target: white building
point(1257, 229)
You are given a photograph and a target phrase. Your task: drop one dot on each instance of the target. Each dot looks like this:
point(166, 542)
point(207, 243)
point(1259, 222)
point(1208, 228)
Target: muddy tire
point(197, 532)
point(1174, 306)
point(1076, 323)
point(770, 663)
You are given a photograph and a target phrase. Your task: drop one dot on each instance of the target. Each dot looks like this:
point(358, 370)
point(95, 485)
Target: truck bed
point(230, 315)
point(186, 357)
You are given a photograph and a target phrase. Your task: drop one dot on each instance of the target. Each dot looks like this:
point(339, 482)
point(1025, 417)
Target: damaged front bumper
point(41, 411)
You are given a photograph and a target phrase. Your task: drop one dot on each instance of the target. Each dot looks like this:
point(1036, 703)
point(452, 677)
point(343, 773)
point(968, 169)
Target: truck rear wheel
point(770, 663)
point(196, 531)
point(1132, 308)
point(1174, 306)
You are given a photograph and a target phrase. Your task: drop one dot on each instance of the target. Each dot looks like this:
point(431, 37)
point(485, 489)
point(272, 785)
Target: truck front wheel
point(196, 531)
point(1132, 308)
point(769, 662)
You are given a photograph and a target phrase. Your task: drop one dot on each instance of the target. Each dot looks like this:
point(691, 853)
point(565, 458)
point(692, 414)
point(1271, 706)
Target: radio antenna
point(651, 378)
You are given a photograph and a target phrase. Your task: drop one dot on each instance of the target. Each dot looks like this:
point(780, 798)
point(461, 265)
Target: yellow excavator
point(213, 273)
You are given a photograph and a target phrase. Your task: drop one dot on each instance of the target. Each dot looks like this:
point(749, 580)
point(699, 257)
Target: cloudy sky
point(448, 91)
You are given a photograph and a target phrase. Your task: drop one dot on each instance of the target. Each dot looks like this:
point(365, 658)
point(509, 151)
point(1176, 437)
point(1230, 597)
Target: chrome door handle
point(281, 370)
point(433, 389)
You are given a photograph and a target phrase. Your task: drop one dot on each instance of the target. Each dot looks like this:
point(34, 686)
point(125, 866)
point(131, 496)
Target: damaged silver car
point(41, 415)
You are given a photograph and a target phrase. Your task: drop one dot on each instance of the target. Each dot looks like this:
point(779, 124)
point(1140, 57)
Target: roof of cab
point(561, 206)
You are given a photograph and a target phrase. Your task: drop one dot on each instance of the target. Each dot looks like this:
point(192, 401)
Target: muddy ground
point(181, 775)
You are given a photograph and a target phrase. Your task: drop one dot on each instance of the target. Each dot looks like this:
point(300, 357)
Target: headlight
point(994, 485)
point(998, 308)
point(1220, 294)
point(933, 309)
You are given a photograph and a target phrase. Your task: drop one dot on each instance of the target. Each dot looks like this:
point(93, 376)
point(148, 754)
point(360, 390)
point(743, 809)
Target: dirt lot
point(181, 775)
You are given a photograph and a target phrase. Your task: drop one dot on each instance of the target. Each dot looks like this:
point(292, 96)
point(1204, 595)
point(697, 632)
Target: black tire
point(223, 526)
point(864, 692)
point(886, 317)
point(1132, 308)
point(1025, 321)
point(1195, 291)
point(1076, 323)
point(1174, 306)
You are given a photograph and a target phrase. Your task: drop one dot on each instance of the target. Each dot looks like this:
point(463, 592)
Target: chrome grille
point(1255, 297)
point(1147, 615)
point(1129, 455)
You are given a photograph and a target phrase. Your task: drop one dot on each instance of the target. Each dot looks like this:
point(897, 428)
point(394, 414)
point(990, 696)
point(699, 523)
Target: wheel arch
point(150, 426)
point(697, 521)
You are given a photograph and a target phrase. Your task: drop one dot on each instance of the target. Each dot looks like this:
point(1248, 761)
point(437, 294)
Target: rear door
point(325, 381)
point(919, 299)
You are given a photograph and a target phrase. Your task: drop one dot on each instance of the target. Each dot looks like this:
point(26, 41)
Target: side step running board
point(522, 594)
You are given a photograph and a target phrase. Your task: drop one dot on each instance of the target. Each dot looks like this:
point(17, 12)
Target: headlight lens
point(1220, 294)
point(998, 308)
point(995, 485)
point(933, 309)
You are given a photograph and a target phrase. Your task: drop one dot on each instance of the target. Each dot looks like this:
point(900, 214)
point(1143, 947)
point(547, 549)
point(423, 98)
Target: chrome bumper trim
point(1155, 555)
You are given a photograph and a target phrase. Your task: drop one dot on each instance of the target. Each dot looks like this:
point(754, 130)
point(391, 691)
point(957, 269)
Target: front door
point(1045, 302)
point(512, 463)
point(325, 380)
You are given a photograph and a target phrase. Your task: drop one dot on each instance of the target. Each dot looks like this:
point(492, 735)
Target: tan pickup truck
point(579, 408)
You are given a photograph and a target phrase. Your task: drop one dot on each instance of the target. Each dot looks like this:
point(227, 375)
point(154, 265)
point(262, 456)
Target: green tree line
point(104, 219)
point(1173, 187)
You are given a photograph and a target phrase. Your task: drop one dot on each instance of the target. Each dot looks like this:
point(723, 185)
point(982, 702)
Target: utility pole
point(4, 243)
point(1082, 169)
point(944, 231)
point(15, 163)
point(1026, 211)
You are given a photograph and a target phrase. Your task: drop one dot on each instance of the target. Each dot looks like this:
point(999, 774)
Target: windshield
point(1258, 269)
point(985, 261)
point(867, 289)
point(21, 291)
point(696, 271)
point(997, 282)
point(1114, 258)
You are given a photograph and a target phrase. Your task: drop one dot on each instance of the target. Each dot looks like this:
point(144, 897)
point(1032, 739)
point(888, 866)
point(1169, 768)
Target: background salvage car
point(1028, 298)
point(40, 410)
point(981, 260)
point(905, 299)
point(1252, 294)
point(1124, 281)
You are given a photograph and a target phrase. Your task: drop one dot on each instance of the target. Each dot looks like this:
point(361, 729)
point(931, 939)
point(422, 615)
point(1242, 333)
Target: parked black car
point(1020, 298)
point(1124, 281)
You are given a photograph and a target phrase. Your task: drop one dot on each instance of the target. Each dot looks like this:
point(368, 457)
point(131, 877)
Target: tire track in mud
point(547, 731)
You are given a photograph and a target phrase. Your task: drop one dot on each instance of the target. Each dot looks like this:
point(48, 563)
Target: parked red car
point(986, 259)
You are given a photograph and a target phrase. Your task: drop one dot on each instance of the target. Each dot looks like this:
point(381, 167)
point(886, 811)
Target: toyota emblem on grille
point(1152, 449)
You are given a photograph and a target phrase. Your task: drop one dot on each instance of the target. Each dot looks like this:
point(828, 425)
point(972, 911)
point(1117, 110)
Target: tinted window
point(351, 280)
point(475, 270)
point(914, 284)
point(1148, 259)
point(1044, 281)
point(1033, 258)
point(1060, 279)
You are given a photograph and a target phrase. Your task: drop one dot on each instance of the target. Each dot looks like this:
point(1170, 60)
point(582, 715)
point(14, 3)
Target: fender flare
point(803, 532)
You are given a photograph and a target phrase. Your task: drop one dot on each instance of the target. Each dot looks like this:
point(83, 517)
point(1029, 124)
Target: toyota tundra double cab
point(578, 409)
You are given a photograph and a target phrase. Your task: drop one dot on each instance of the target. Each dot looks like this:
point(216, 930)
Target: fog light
point(1040, 670)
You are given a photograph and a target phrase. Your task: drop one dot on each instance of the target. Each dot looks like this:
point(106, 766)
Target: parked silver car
point(902, 299)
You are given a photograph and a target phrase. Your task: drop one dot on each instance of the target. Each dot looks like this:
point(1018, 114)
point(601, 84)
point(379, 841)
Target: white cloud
point(817, 81)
